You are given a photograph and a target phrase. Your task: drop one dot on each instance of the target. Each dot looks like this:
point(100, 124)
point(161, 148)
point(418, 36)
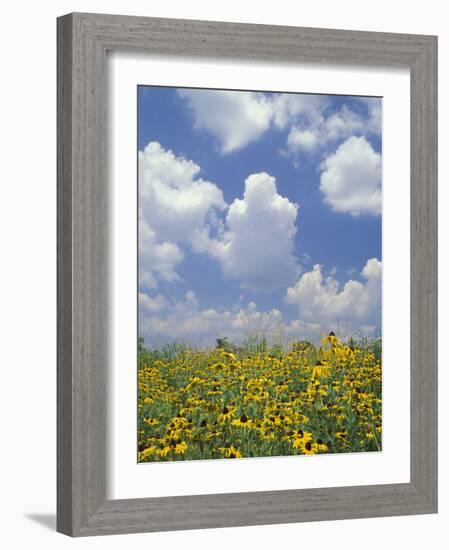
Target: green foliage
point(361, 341)
point(254, 344)
point(167, 352)
point(302, 345)
point(258, 400)
point(223, 343)
point(144, 356)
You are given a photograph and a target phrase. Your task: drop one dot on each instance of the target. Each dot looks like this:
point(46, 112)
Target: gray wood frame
point(83, 40)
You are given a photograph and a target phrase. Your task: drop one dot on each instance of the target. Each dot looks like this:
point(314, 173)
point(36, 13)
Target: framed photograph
point(247, 274)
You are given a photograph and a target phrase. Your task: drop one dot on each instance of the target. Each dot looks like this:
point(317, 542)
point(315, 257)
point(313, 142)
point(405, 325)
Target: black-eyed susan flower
point(151, 421)
point(242, 422)
point(188, 407)
point(341, 435)
point(300, 437)
point(227, 413)
point(309, 448)
point(163, 450)
point(149, 451)
point(321, 446)
point(230, 452)
point(180, 447)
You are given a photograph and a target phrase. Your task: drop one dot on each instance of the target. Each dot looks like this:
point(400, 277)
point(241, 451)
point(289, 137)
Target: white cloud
point(321, 305)
point(346, 122)
point(157, 260)
point(238, 118)
point(253, 243)
point(374, 105)
point(185, 320)
point(286, 108)
point(320, 300)
point(234, 118)
point(302, 140)
point(257, 246)
point(152, 304)
point(175, 206)
point(303, 330)
point(174, 201)
point(310, 135)
point(351, 178)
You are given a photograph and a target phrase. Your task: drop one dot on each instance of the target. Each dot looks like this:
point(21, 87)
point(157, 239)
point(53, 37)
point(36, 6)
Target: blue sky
point(258, 212)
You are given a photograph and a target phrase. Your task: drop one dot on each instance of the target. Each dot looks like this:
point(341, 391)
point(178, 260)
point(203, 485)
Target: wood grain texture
point(64, 277)
point(83, 40)
point(424, 276)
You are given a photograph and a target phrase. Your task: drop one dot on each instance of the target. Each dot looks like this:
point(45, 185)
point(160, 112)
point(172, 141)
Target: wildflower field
point(232, 403)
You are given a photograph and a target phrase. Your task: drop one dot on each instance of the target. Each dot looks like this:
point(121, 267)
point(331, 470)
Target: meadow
point(259, 401)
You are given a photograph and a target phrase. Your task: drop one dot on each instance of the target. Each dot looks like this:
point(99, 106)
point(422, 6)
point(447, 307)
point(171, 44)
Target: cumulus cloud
point(178, 210)
point(374, 106)
point(302, 139)
point(311, 135)
point(185, 320)
point(237, 119)
point(253, 242)
point(322, 301)
point(173, 199)
point(157, 259)
point(175, 206)
point(346, 122)
point(152, 304)
point(287, 108)
point(351, 178)
point(257, 245)
point(322, 305)
point(234, 118)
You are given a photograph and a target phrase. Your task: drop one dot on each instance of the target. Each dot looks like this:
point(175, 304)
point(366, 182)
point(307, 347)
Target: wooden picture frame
point(83, 40)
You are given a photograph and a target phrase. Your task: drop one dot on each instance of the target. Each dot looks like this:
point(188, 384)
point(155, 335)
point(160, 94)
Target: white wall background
point(27, 289)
